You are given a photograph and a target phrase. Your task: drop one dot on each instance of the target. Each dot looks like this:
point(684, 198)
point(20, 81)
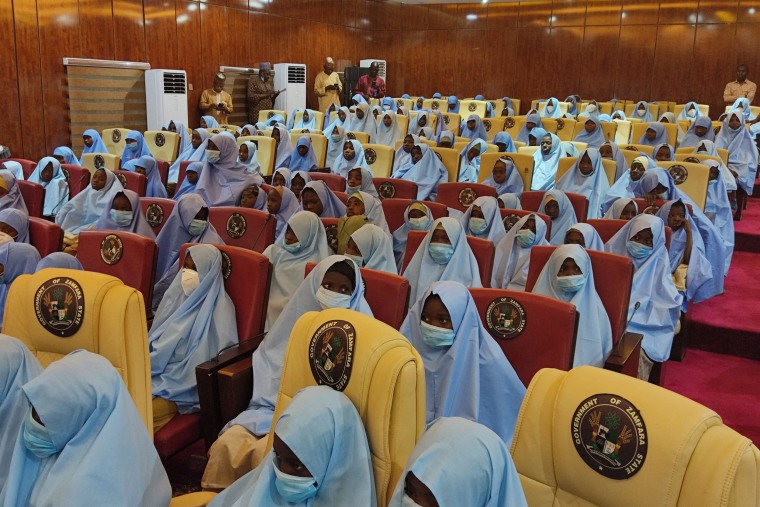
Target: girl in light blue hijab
point(135, 148)
point(505, 178)
point(65, 153)
point(308, 120)
point(337, 122)
point(364, 121)
point(664, 152)
point(14, 168)
point(569, 150)
point(469, 160)
point(453, 104)
point(742, 151)
point(482, 219)
point(389, 131)
point(489, 106)
point(551, 109)
point(373, 209)
point(446, 139)
point(331, 206)
point(148, 167)
point(426, 170)
point(18, 259)
point(97, 146)
point(611, 151)
point(461, 463)
point(283, 147)
point(421, 221)
point(223, 179)
point(568, 276)
point(587, 177)
point(473, 128)
point(703, 126)
point(594, 137)
point(195, 320)
point(16, 220)
point(654, 135)
point(718, 207)
point(281, 177)
point(371, 247)
point(12, 197)
point(629, 185)
point(558, 207)
point(503, 138)
point(622, 209)
point(533, 120)
point(419, 122)
point(545, 160)
point(181, 131)
point(443, 255)
point(59, 260)
point(690, 112)
point(191, 153)
point(642, 112)
point(572, 105)
point(584, 235)
point(510, 201)
point(192, 173)
point(87, 445)
point(336, 139)
point(512, 259)
point(324, 432)
point(302, 158)
point(404, 152)
point(287, 207)
point(353, 149)
point(388, 104)
point(48, 173)
point(87, 206)
point(360, 180)
point(209, 122)
point(131, 220)
point(466, 372)
point(251, 162)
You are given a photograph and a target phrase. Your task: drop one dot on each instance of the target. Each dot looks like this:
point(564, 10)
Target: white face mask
point(550, 107)
point(190, 281)
point(212, 156)
point(330, 299)
point(6, 238)
point(408, 502)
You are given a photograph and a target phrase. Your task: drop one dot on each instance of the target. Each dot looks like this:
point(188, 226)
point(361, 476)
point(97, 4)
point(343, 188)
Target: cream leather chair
point(453, 122)
point(592, 437)
point(57, 311)
point(265, 151)
point(114, 139)
point(450, 159)
point(381, 373)
point(94, 161)
point(265, 114)
point(380, 159)
point(163, 145)
point(513, 125)
point(639, 129)
point(319, 115)
point(704, 109)
point(623, 133)
point(493, 126)
point(468, 107)
point(362, 137)
point(565, 163)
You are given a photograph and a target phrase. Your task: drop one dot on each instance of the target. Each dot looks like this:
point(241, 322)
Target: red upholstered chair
point(244, 227)
point(46, 237)
point(27, 166)
point(334, 182)
point(78, 178)
point(182, 171)
point(156, 210)
point(528, 342)
point(532, 201)
point(609, 227)
point(240, 267)
point(133, 181)
point(163, 170)
point(461, 195)
point(34, 197)
point(343, 196)
point(386, 294)
point(394, 208)
point(388, 188)
point(516, 214)
point(483, 250)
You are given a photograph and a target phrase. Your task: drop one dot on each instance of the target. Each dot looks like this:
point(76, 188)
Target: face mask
point(712, 182)
point(358, 259)
point(212, 156)
point(190, 281)
point(441, 252)
point(294, 489)
point(353, 190)
point(550, 108)
point(571, 284)
point(335, 138)
point(408, 502)
point(197, 227)
point(328, 299)
point(637, 250)
point(525, 237)
point(6, 238)
point(477, 225)
point(690, 112)
point(37, 438)
point(418, 224)
point(122, 218)
point(132, 146)
point(436, 337)
point(663, 196)
point(293, 247)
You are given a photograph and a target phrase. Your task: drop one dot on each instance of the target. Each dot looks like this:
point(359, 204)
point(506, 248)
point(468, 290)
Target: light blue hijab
point(251, 164)
point(87, 206)
point(129, 157)
point(512, 184)
point(524, 133)
point(310, 124)
point(489, 106)
point(462, 267)
point(566, 217)
point(341, 166)
point(105, 454)
point(463, 463)
point(684, 114)
point(285, 173)
point(593, 186)
point(401, 234)
point(18, 259)
point(181, 131)
point(625, 187)
point(653, 288)
point(505, 139)
point(376, 248)
point(389, 135)
point(645, 117)
point(13, 199)
point(414, 124)
point(469, 169)
point(138, 225)
point(222, 182)
point(335, 148)
point(332, 206)
point(190, 154)
point(59, 260)
point(68, 155)
point(453, 101)
point(427, 173)
point(366, 124)
point(545, 164)
point(479, 132)
point(367, 186)
point(268, 359)
point(620, 161)
point(618, 206)
point(692, 139)
point(186, 187)
point(472, 378)
point(594, 341)
point(14, 168)
point(373, 210)
point(211, 122)
point(718, 208)
point(591, 238)
point(402, 157)
point(19, 221)
point(661, 136)
point(98, 146)
point(511, 262)
point(289, 206)
point(494, 231)
point(511, 201)
point(188, 330)
point(306, 162)
point(56, 190)
point(337, 122)
point(556, 112)
point(155, 185)
point(742, 152)
point(323, 429)
point(283, 148)
point(595, 138)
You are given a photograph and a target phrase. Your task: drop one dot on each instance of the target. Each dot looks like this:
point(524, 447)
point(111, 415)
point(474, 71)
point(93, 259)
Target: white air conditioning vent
point(297, 74)
point(174, 82)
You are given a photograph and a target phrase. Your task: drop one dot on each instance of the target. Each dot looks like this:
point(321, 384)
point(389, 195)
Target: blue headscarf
point(306, 162)
point(572, 105)
point(625, 187)
point(128, 156)
point(188, 330)
point(190, 154)
point(494, 231)
point(105, 455)
point(251, 164)
point(618, 114)
point(505, 139)
point(512, 184)
point(311, 123)
point(525, 132)
point(13, 199)
point(489, 106)
point(332, 206)
point(221, 183)
point(620, 161)
point(471, 378)
point(653, 288)
point(446, 135)
point(591, 238)
point(618, 205)
point(388, 104)
point(210, 121)
point(301, 174)
point(661, 136)
point(323, 429)
point(684, 114)
point(376, 248)
point(742, 152)
point(566, 217)
point(181, 131)
point(469, 169)
point(268, 359)
point(283, 148)
point(462, 267)
point(186, 187)
point(594, 186)
point(595, 138)
point(341, 166)
point(18, 259)
point(692, 139)
point(509, 106)
point(479, 132)
point(366, 124)
point(285, 173)
point(18, 220)
point(427, 173)
point(717, 207)
point(389, 135)
point(510, 200)
point(545, 164)
point(569, 149)
point(335, 148)
point(414, 125)
point(87, 206)
point(337, 122)
point(59, 260)
point(403, 158)
point(289, 206)
point(14, 168)
point(155, 186)
point(742, 106)
point(138, 225)
point(453, 101)
point(420, 100)
point(401, 234)
point(556, 112)
point(594, 341)
point(511, 262)
point(373, 210)
point(671, 151)
point(367, 186)
point(67, 154)
point(646, 117)
point(56, 190)
point(98, 146)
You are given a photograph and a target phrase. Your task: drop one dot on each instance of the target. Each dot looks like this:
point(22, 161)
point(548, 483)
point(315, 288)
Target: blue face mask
point(571, 284)
point(330, 299)
point(294, 489)
point(358, 259)
point(441, 252)
point(436, 337)
point(353, 190)
point(132, 146)
point(418, 224)
point(293, 247)
point(525, 237)
point(477, 225)
point(637, 250)
point(122, 218)
point(197, 227)
point(37, 438)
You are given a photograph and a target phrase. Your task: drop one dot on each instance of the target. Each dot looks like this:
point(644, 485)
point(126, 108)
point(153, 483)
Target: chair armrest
point(235, 388)
point(625, 355)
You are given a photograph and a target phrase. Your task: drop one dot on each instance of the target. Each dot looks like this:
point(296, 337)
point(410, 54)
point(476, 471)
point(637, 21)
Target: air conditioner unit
point(165, 97)
point(291, 79)
point(380, 63)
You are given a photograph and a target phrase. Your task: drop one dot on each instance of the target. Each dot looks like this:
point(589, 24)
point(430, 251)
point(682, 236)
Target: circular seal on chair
point(259, 133)
point(160, 139)
point(331, 354)
point(509, 123)
point(505, 318)
point(386, 190)
point(440, 157)
point(350, 135)
point(111, 249)
point(472, 107)
point(370, 156)
point(693, 160)
point(467, 196)
point(332, 237)
point(399, 103)
point(226, 265)
point(123, 181)
point(510, 159)
point(270, 114)
point(100, 162)
point(154, 214)
point(116, 135)
point(59, 306)
point(446, 120)
point(610, 436)
point(510, 220)
point(717, 129)
point(679, 173)
point(630, 147)
point(560, 124)
point(435, 105)
point(236, 226)
point(487, 125)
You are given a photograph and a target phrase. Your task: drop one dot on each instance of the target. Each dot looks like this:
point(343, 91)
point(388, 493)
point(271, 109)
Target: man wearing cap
point(216, 102)
point(371, 85)
point(261, 93)
point(327, 86)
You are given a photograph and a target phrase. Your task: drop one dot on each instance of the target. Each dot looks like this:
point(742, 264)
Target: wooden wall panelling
point(470, 65)
point(536, 13)
point(438, 58)
point(129, 30)
point(189, 55)
point(530, 56)
point(96, 29)
point(161, 34)
point(472, 16)
point(674, 55)
point(748, 11)
point(566, 13)
point(709, 75)
point(673, 12)
point(10, 131)
point(442, 16)
point(597, 67)
point(639, 12)
point(603, 12)
point(502, 16)
point(718, 11)
point(501, 73)
point(633, 73)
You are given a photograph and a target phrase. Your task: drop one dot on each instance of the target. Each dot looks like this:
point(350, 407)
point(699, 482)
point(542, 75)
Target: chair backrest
point(691, 178)
point(460, 145)
point(380, 159)
point(609, 129)
point(266, 152)
point(128, 256)
point(318, 144)
point(57, 311)
point(163, 145)
point(34, 197)
point(384, 378)
point(115, 140)
point(532, 201)
point(623, 132)
point(435, 104)
point(242, 267)
point(468, 107)
point(498, 106)
point(265, 114)
point(393, 209)
point(513, 125)
point(606, 227)
point(452, 120)
point(565, 163)
point(517, 321)
point(247, 228)
point(334, 182)
point(754, 109)
point(432, 119)
point(162, 166)
point(450, 159)
point(133, 181)
point(510, 217)
point(77, 176)
point(232, 129)
point(460, 195)
point(639, 129)
point(493, 126)
point(407, 103)
point(362, 137)
point(604, 435)
point(566, 128)
point(632, 151)
point(653, 108)
point(319, 118)
point(685, 155)
point(394, 187)
point(27, 166)
point(45, 236)
point(156, 210)
point(523, 163)
point(527, 150)
point(94, 161)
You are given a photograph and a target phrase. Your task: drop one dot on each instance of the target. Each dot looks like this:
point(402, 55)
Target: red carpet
point(747, 230)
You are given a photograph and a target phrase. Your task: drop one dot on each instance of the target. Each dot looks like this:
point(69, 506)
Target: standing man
point(216, 102)
point(741, 88)
point(327, 86)
point(372, 85)
point(261, 92)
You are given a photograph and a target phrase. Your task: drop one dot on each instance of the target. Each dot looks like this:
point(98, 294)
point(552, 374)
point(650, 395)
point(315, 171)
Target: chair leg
point(678, 349)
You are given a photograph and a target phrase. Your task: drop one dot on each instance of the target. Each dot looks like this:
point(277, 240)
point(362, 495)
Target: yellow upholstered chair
point(94, 161)
point(527, 150)
point(685, 155)
point(513, 125)
point(579, 145)
point(318, 144)
point(755, 110)
point(197, 499)
point(362, 137)
point(566, 128)
point(498, 106)
point(604, 107)
point(319, 115)
point(523, 163)
point(609, 129)
point(382, 375)
point(57, 311)
point(266, 151)
point(565, 163)
point(215, 130)
point(403, 122)
point(516, 105)
point(549, 125)
point(460, 145)
point(592, 437)
point(432, 119)
point(653, 108)
point(493, 126)
point(453, 122)
point(163, 145)
point(538, 104)
point(704, 109)
point(436, 104)
point(631, 151)
point(623, 132)
point(691, 179)
point(265, 114)
point(638, 130)
point(233, 129)
point(684, 124)
point(450, 159)
point(380, 159)
point(468, 107)
point(114, 139)
point(407, 103)
point(722, 153)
